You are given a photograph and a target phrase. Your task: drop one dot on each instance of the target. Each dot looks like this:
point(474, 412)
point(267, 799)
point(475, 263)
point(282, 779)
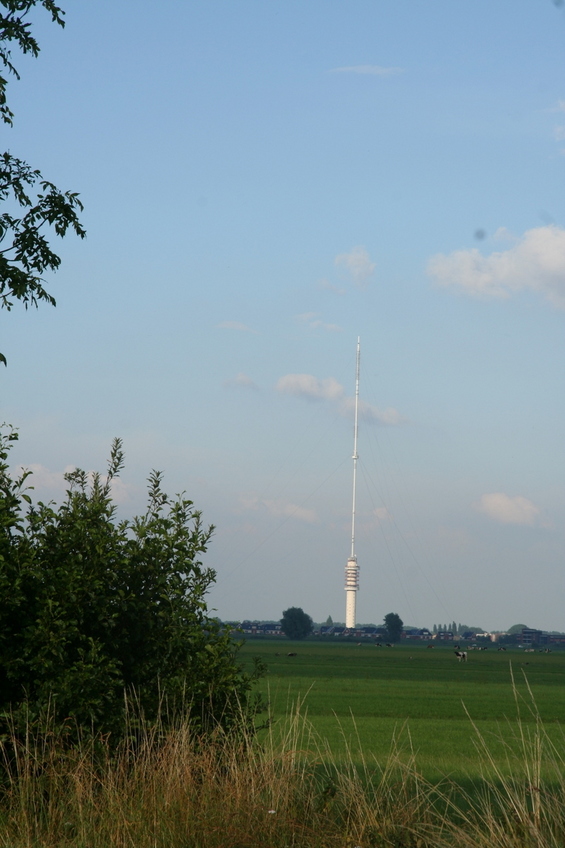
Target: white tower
point(352, 569)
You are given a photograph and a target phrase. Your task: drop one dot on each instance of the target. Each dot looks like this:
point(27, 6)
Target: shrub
point(296, 624)
point(92, 607)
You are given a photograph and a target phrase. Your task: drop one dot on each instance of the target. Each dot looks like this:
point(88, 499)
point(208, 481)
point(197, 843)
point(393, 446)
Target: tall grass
point(275, 790)
point(520, 802)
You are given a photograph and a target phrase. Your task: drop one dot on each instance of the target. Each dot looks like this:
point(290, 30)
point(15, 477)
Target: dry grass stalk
point(171, 789)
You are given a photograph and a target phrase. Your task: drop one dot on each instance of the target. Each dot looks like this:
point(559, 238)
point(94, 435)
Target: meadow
point(378, 748)
point(362, 699)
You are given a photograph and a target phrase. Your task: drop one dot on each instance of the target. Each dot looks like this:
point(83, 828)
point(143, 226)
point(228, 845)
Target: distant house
point(271, 628)
point(534, 637)
point(256, 628)
point(421, 633)
point(444, 635)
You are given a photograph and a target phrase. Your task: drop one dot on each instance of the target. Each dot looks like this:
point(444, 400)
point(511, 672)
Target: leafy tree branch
point(14, 27)
point(33, 203)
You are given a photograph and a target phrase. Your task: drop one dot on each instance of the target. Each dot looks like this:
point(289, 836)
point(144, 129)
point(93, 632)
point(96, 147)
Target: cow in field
point(291, 654)
point(461, 656)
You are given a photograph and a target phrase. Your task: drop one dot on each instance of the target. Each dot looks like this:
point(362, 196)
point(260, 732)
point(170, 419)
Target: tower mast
point(352, 569)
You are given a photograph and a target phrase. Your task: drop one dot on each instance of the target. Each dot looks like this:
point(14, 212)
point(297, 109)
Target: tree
point(25, 253)
point(296, 624)
point(329, 621)
point(394, 625)
point(516, 628)
point(92, 608)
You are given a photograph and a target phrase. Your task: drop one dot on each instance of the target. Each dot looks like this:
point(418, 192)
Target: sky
point(263, 183)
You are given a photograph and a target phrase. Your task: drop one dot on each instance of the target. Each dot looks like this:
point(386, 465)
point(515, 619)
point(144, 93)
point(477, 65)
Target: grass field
point(381, 754)
point(363, 699)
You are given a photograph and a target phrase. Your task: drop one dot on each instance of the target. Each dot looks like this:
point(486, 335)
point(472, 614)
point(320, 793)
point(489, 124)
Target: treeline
point(456, 629)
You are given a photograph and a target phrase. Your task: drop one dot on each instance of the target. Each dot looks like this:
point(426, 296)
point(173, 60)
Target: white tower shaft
point(352, 569)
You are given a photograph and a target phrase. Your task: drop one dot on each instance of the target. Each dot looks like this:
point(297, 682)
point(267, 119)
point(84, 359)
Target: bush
point(296, 624)
point(92, 608)
point(394, 625)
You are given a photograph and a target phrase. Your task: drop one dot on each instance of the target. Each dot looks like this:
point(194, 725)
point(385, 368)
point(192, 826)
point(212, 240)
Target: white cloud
point(290, 510)
point(358, 264)
point(53, 483)
point(331, 328)
point(372, 70)
point(311, 318)
point(559, 132)
point(370, 413)
point(381, 513)
point(242, 381)
point(535, 262)
point(235, 325)
point(327, 286)
point(308, 386)
point(504, 234)
point(43, 478)
point(279, 508)
point(507, 510)
point(121, 492)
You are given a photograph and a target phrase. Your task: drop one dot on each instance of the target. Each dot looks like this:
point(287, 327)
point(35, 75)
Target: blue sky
point(264, 182)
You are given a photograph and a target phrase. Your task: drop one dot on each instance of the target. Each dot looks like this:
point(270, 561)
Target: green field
point(360, 699)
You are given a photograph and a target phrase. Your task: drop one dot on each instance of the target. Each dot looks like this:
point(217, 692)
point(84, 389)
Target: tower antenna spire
point(352, 568)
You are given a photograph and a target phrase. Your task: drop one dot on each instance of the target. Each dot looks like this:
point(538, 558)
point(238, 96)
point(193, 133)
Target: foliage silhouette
point(296, 624)
point(32, 202)
point(92, 608)
point(394, 625)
